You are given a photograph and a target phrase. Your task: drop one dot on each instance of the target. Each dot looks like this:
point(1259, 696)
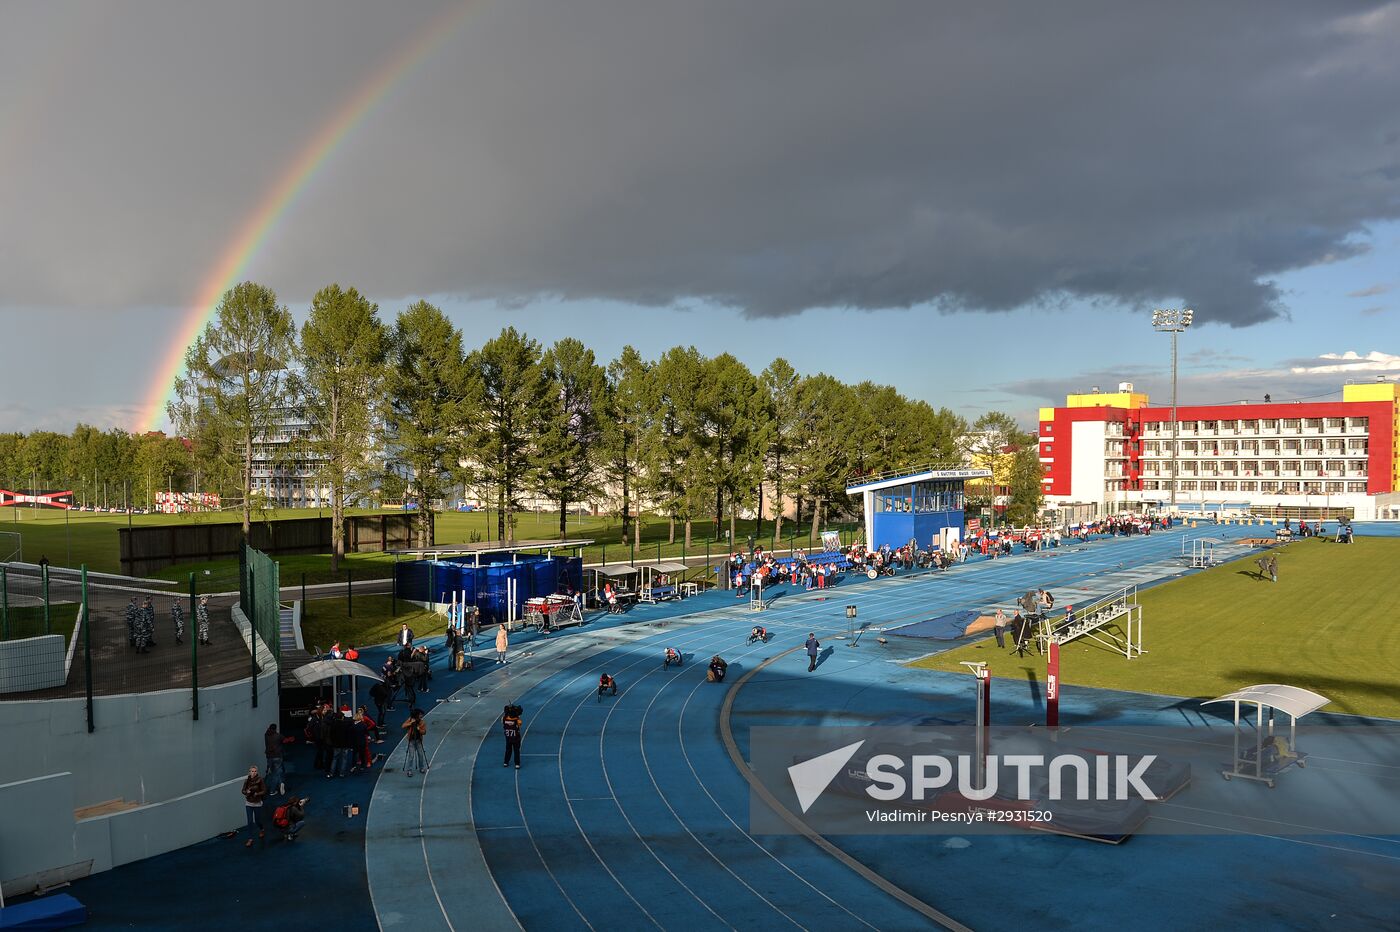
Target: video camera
point(515, 710)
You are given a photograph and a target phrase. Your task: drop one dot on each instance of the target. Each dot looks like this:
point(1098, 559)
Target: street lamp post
point(1173, 321)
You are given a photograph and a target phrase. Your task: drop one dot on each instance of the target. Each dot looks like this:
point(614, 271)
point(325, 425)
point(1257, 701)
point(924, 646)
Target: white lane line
point(602, 761)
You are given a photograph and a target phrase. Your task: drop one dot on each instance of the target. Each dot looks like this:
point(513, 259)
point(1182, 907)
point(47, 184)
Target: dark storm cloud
point(773, 156)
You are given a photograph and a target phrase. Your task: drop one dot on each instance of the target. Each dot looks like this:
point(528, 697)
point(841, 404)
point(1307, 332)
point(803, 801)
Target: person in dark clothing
point(379, 695)
point(272, 750)
point(359, 743)
point(342, 742)
point(512, 726)
point(425, 672)
point(320, 734)
point(813, 646)
point(410, 674)
point(405, 638)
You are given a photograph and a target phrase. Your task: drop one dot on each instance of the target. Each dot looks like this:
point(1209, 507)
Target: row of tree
point(111, 468)
point(685, 436)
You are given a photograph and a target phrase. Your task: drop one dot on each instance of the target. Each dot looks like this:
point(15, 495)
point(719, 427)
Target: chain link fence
point(73, 635)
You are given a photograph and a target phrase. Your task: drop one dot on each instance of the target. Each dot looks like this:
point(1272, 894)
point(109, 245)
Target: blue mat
point(56, 911)
point(948, 627)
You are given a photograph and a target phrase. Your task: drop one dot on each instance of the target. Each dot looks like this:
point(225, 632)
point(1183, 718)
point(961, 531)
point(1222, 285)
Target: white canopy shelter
point(318, 671)
point(1270, 755)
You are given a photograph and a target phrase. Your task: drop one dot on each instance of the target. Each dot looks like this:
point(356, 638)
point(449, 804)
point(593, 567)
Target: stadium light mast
point(1173, 321)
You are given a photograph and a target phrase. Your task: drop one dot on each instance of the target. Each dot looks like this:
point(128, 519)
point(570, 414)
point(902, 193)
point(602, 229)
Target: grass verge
point(325, 621)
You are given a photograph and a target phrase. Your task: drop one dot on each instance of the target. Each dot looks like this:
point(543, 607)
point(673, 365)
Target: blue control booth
point(924, 506)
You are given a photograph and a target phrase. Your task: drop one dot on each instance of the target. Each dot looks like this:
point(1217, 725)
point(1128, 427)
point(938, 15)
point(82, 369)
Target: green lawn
point(92, 539)
point(28, 622)
point(1328, 625)
point(324, 621)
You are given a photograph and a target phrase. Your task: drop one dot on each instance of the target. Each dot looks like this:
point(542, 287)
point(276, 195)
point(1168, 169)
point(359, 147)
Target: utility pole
point(1173, 321)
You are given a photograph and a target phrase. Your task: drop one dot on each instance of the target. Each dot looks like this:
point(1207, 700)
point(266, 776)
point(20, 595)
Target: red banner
point(974, 525)
point(37, 499)
point(1052, 686)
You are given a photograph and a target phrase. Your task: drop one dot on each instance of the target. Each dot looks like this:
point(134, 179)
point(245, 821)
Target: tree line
point(407, 408)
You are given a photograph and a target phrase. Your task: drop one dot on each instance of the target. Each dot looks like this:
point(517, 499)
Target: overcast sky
point(980, 202)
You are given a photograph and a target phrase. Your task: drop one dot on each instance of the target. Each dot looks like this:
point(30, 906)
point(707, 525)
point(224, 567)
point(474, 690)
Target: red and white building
point(1105, 452)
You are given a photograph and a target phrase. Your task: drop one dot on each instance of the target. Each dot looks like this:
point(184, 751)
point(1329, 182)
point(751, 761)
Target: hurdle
point(1199, 552)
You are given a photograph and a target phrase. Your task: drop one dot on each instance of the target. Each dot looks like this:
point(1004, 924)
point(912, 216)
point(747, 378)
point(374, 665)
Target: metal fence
point(73, 635)
point(258, 589)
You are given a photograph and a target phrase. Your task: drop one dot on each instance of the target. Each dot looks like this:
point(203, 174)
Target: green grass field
point(1328, 625)
point(325, 621)
point(28, 622)
point(92, 539)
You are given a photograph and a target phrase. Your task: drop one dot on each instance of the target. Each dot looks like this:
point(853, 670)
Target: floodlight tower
point(1173, 321)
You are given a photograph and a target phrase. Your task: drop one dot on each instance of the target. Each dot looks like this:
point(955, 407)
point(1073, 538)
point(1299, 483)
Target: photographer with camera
point(290, 817)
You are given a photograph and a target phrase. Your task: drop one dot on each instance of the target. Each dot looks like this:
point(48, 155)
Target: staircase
point(293, 652)
point(1114, 621)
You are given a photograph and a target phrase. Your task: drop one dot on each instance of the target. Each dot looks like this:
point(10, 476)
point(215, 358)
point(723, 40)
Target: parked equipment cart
point(1271, 754)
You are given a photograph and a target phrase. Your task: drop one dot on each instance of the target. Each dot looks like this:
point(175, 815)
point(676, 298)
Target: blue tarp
point(943, 628)
point(487, 586)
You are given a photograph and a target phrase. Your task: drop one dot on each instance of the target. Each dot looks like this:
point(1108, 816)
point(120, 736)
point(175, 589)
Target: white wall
point(1087, 461)
point(146, 749)
point(32, 663)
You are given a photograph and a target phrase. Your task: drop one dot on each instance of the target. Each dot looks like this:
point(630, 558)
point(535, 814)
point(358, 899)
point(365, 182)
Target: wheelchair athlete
point(673, 656)
point(718, 668)
point(606, 684)
point(759, 633)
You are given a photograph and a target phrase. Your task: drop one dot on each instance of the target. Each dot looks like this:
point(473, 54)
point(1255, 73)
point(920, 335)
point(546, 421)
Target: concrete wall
point(32, 663)
point(38, 831)
point(147, 747)
point(36, 826)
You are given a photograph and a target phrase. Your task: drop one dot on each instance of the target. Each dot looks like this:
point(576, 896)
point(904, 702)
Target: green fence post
point(87, 654)
point(194, 652)
point(47, 628)
point(5, 601)
point(303, 595)
point(253, 632)
point(276, 645)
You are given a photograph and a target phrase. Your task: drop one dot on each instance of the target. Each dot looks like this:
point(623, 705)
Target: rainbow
point(273, 206)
